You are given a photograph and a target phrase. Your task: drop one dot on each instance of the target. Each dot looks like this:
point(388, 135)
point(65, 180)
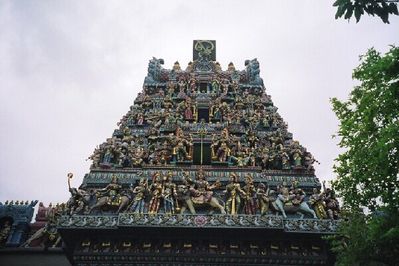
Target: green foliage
point(368, 169)
point(369, 131)
point(367, 240)
point(381, 8)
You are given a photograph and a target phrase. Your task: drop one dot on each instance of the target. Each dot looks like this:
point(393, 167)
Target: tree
point(381, 8)
point(368, 170)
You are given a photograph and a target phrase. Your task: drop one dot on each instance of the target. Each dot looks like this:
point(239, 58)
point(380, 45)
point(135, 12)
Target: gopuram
point(202, 170)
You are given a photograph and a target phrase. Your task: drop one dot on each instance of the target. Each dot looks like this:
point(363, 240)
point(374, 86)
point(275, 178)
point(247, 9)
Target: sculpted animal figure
point(112, 196)
point(253, 72)
point(286, 202)
point(201, 193)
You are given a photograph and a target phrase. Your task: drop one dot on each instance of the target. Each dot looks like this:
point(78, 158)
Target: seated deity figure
point(111, 191)
point(138, 156)
point(234, 193)
point(220, 149)
point(183, 146)
point(201, 191)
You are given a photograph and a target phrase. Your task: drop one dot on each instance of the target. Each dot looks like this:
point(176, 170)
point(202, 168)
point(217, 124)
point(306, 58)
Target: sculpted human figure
point(48, 234)
point(79, 200)
point(233, 195)
point(220, 150)
point(188, 112)
point(250, 205)
point(156, 193)
point(169, 193)
point(316, 200)
point(112, 195)
point(137, 157)
point(201, 191)
point(111, 191)
point(332, 203)
point(139, 192)
point(5, 232)
point(262, 193)
point(176, 66)
point(183, 196)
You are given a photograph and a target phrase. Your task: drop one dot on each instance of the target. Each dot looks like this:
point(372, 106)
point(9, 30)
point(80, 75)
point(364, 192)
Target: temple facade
point(201, 170)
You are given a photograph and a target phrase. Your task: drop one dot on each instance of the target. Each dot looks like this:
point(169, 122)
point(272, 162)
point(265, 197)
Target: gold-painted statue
point(233, 194)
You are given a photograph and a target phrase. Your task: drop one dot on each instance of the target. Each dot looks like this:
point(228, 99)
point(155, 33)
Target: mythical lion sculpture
point(154, 70)
point(253, 72)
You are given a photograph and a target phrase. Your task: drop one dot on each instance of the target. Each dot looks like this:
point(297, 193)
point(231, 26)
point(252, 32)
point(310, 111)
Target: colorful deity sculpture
point(169, 193)
point(317, 202)
point(139, 192)
point(250, 205)
point(202, 192)
point(234, 193)
point(156, 193)
point(262, 193)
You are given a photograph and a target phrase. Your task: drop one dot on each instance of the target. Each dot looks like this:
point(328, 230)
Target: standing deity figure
point(220, 150)
point(250, 205)
point(79, 200)
point(108, 156)
point(316, 200)
point(139, 196)
point(169, 193)
point(332, 203)
point(215, 86)
point(188, 112)
point(156, 193)
point(233, 195)
point(262, 193)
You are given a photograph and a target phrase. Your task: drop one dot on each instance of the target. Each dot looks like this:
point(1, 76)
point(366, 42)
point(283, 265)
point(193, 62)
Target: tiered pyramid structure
point(202, 170)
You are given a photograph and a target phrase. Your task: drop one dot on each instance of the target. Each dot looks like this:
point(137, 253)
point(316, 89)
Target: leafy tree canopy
point(369, 133)
point(381, 8)
point(368, 169)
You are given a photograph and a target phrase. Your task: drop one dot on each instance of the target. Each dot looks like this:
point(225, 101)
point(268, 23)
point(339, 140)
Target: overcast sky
point(70, 70)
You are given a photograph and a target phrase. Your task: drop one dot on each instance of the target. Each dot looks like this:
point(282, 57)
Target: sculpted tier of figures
point(170, 194)
point(243, 126)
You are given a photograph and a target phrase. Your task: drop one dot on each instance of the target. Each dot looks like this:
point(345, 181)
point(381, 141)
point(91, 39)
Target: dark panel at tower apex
point(204, 49)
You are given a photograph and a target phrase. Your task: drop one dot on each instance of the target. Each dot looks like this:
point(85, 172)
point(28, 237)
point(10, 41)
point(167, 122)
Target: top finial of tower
point(204, 49)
